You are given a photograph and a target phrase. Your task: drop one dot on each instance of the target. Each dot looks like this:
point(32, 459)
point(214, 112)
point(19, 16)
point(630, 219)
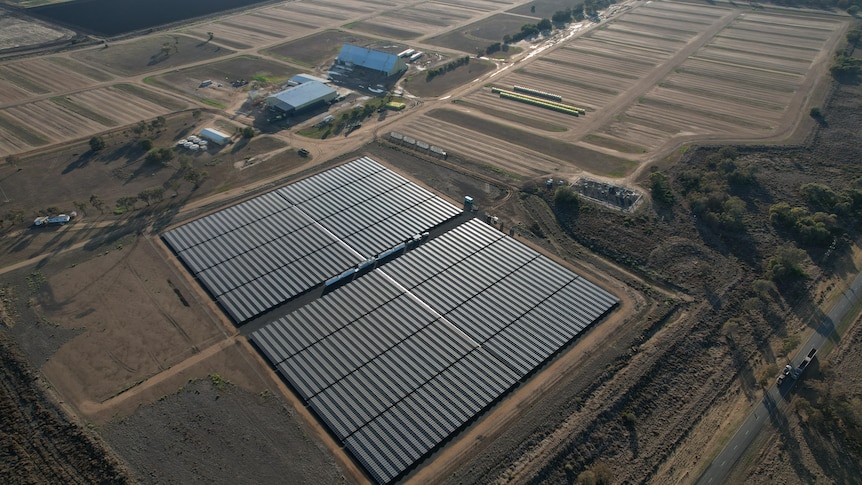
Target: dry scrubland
point(657, 75)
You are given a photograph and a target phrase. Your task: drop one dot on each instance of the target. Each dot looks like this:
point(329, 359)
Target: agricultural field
point(223, 73)
point(652, 77)
point(77, 115)
point(319, 50)
point(250, 30)
point(146, 54)
point(480, 34)
point(417, 20)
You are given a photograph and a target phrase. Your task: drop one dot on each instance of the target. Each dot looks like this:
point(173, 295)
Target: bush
point(660, 188)
point(248, 132)
point(97, 143)
point(566, 197)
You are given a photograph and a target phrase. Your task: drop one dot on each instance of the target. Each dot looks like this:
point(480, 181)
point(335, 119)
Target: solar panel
point(267, 250)
point(402, 357)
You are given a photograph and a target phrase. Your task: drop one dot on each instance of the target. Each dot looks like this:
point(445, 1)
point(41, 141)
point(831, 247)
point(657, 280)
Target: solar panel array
point(258, 254)
point(402, 357)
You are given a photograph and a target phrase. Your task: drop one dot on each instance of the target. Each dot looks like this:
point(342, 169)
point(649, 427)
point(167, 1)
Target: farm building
point(377, 62)
point(301, 97)
point(215, 136)
point(304, 78)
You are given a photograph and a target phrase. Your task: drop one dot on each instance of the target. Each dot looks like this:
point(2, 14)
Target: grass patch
point(153, 97)
point(590, 160)
point(27, 136)
point(614, 144)
point(212, 103)
point(513, 117)
point(70, 105)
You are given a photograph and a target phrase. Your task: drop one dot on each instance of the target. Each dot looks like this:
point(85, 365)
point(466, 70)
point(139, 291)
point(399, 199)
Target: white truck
point(59, 220)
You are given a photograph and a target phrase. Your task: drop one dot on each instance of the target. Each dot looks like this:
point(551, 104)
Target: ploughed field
point(656, 76)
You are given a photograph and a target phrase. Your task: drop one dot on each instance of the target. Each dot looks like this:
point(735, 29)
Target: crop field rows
point(10, 93)
point(423, 18)
point(478, 146)
point(73, 116)
point(51, 77)
point(738, 83)
point(743, 78)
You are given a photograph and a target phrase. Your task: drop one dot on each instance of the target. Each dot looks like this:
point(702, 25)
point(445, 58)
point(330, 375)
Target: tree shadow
point(79, 162)
point(790, 443)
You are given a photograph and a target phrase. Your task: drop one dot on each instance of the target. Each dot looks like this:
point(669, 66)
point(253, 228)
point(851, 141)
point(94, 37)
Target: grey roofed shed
point(301, 96)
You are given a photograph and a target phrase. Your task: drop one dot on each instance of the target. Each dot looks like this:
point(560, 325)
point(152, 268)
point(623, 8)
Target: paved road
point(777, 399)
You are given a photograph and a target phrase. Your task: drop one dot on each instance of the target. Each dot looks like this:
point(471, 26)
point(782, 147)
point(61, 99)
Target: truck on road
point(798, 371)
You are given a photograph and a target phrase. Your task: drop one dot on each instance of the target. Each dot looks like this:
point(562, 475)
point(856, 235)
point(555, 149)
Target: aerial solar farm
point(413, 334)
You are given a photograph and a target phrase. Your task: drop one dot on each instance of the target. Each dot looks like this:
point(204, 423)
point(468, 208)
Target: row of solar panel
point(341, 198)
point(306, 326)
point(403, 434)
point(224, 221)
point(317, 185)
point(284, 283)
point(264, 251)
point(365, 349)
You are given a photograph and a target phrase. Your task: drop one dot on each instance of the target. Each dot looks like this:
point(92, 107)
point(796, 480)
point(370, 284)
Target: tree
point(248, 132)
point(154, 194)
point(532, 9)
point(146, 144)
point(815, 113)
point(660, 188)
point(209, 36)
point(80, 206)
point(544, 25)
point(786, 264)
point(853, 10)
point(126, 203)
point(97, 202)
point(195, 176)
point(161, 155)
point(97, 143)
point(166, 49)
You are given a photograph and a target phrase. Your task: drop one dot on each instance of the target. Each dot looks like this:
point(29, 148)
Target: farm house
point(301, 97)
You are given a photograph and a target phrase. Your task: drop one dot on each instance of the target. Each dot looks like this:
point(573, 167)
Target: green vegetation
point(451, 66)
point(845, 67)
point(35, 281)
point(709, 192)
point(566, 197)
point(218, 381)
point(97, 143)
point(161, 155)
point(660, 188)
point(786, 265)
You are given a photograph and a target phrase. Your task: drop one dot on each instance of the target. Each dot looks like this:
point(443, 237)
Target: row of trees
point(450, 66)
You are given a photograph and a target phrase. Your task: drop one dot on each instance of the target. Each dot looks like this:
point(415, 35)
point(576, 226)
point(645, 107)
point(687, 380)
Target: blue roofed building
point(379, 63)
point(302, 97)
